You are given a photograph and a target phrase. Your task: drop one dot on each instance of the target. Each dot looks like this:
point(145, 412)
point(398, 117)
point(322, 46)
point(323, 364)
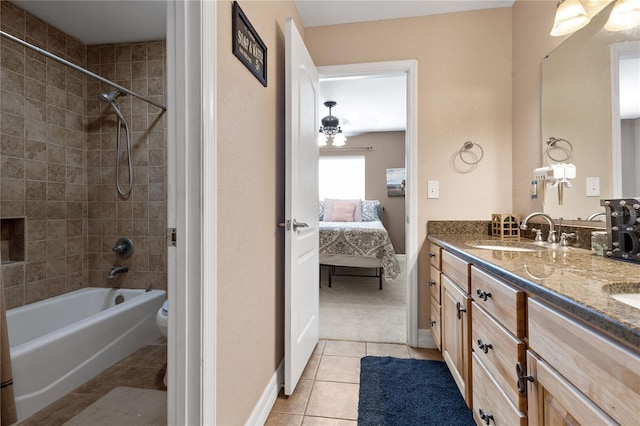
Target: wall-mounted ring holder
point(470, 154)
point(564, 148)
point(123, 247)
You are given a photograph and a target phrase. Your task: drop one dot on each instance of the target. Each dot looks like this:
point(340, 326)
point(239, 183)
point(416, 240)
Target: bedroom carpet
point(406, 392)
point(355, 309)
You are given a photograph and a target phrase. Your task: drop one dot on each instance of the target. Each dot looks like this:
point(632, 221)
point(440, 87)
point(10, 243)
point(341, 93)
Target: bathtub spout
point(117, 270)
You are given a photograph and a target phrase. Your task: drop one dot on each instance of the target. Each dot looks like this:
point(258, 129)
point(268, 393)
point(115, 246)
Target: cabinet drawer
point(501, 300)
point(435, 255)
point(434, 320)
point(499, 351)
point(457, 270)
point(434, 283)
point(490, 404)
point(602, 369)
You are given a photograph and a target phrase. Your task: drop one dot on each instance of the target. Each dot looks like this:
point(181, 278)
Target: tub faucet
point(117, 270)
point(593, 215)
point(552, 226)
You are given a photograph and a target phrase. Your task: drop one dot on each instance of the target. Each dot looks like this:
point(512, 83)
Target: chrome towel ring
point(559, 144)
point(466, 148)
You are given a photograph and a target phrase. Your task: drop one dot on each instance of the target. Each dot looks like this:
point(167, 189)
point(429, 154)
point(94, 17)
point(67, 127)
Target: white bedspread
point(364, 239)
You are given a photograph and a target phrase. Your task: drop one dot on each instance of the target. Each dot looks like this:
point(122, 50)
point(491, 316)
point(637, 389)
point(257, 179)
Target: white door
point(301, 208)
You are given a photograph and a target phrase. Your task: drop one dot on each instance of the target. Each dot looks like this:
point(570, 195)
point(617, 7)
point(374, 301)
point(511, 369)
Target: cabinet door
point(554, 401)
point(456, 343)
point(435, 322)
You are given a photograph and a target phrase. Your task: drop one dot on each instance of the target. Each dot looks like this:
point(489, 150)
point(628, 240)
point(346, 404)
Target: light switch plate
point(593, 187)
point(433, 189)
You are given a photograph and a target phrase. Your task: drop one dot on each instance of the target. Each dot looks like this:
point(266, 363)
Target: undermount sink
point(631, 299)
point(501, 245)
point(627, 293)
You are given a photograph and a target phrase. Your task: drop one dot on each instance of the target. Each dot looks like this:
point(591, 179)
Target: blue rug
point(404, 392)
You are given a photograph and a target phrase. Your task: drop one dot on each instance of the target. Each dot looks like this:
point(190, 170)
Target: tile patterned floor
point(327, 394)
point(143, 369)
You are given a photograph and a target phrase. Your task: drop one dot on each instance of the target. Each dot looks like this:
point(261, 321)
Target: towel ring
point(552, 143)
point(466, 147)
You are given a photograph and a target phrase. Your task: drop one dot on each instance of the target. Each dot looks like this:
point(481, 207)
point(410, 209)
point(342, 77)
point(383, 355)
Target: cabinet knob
point(432, 255)
point(485, 416)
point(432, 322)
point(522, 379)
point(460, 310)
point(431, 283)
point(484, 295)
point(484, 346)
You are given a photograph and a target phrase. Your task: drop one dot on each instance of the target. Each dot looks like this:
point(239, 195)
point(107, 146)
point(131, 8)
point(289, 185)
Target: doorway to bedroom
point(363, 271)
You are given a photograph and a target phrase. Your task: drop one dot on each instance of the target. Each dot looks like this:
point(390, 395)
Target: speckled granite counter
point(570, 278)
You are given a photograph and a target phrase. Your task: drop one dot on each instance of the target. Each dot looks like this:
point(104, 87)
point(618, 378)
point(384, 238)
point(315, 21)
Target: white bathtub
point(60, 343)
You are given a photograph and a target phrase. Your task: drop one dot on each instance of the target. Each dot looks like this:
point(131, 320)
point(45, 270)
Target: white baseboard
point(425, 339)
point(265, 403)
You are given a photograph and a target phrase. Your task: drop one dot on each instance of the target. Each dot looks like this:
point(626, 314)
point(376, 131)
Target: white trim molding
point(191, 196)
point(264, 405)
point(409, 68)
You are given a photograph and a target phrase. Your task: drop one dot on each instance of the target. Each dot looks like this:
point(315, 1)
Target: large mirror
point(589, 99)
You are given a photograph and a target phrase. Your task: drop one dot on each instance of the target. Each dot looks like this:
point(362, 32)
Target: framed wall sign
point(248, 46)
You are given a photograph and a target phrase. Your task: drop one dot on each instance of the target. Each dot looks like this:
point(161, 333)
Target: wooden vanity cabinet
point(456, 321)
point(577, 374)
point(435, 255)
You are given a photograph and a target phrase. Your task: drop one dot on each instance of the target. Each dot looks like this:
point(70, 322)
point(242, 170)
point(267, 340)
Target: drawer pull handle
point(432, 255)
point(460, 310)
point(432, 322)
point(484, 346)
point(485, 416)
point(484, 295)
point(522, 380)
point(431, 283)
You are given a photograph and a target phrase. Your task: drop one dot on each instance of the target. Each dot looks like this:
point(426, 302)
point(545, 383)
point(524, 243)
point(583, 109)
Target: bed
point(362, 242)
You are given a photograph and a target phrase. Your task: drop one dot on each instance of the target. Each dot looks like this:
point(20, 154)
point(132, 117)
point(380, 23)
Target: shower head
point(109, 97)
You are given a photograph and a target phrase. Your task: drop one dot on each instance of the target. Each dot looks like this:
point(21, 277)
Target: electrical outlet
point(593, 187)
point(433, 189)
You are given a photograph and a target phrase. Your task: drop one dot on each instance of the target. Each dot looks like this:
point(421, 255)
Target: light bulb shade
point(624, 15)
point(570, 17)
point(339, 139)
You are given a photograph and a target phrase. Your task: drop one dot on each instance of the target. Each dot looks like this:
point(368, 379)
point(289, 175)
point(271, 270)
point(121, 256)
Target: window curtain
point(8, 413)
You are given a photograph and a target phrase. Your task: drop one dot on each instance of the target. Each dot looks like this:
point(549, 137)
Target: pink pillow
point(328, 209)
point(343, 211)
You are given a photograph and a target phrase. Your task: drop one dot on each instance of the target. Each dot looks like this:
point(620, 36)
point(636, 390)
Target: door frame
point(409, 68)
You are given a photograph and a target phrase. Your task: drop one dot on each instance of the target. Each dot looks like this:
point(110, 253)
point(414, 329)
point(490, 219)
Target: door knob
point(297, 225)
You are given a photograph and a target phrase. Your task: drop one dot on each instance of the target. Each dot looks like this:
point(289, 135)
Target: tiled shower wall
point(57, 161)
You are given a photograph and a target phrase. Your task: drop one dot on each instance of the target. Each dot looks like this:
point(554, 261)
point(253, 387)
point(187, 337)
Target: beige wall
point(464, 93)
point(250, 292)
point(388, 152)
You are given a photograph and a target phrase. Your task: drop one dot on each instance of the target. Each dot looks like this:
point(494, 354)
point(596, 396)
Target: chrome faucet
point(117, 270)
point(595, 214)
point(552, 226)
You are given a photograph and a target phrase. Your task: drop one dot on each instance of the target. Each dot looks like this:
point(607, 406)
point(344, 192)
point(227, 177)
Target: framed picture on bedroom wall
point(396, 182)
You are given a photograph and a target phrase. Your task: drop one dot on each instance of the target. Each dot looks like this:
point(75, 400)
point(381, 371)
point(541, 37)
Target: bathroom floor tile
point(343, 348)
point(388, 349)
point(335, 400)
point(312, 367)
point(60, 411)
point(339, 369)
point(296, 403)
point(325, 421)
point(280, 419)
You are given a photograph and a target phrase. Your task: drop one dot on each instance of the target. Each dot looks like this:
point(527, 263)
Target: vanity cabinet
point(577, 374)
point(435, 254)
point(456, 321)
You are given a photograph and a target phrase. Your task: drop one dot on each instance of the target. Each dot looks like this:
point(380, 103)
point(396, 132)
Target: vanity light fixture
point(624, 15)
point(330, 131)
point(570, 17)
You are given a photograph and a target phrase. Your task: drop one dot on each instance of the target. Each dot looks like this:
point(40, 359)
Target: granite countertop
point(571, 278)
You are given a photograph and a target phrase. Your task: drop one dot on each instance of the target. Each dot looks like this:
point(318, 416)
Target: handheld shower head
point(109, 97)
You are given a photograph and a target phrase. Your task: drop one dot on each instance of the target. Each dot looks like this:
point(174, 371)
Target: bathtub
point(60, 343)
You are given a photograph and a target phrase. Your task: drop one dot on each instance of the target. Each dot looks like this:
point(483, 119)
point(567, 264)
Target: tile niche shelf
point(12, 240)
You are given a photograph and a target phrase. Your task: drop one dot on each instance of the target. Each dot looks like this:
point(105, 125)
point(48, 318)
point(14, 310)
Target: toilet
point(161, 318)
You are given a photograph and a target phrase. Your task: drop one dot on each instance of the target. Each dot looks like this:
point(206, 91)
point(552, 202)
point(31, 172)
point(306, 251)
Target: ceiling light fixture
point(570, 17)
point(330, 132)
point(624, 15)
